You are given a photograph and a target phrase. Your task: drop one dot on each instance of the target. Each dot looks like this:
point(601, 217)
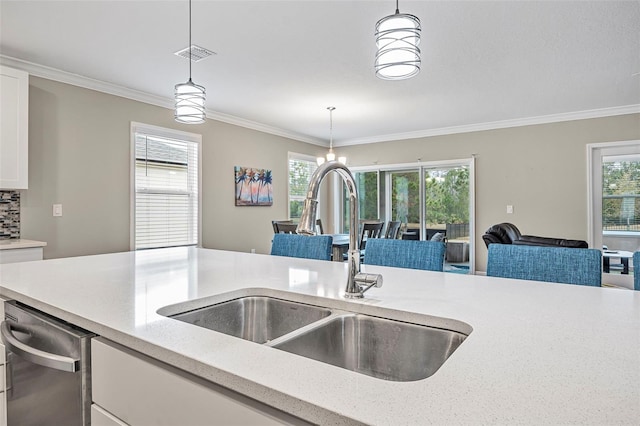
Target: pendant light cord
point(331, 128)
point(189, 40)
point(397, 8)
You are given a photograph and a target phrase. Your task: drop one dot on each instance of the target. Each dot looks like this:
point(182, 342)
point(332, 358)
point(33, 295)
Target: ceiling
point(280, 64)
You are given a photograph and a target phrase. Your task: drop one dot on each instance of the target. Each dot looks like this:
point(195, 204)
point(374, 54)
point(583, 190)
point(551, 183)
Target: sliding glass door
point(404, 199)
point(368, 185)
point(447, 211)
point(429, 199)
point(615, 208)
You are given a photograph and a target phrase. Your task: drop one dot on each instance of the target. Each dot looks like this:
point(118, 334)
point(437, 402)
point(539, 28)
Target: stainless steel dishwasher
point(48, 368)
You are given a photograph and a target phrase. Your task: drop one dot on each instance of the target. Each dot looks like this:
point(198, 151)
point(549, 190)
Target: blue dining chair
point(636, 270)
point(294, 245)
point(427, 255)
point(551, 264)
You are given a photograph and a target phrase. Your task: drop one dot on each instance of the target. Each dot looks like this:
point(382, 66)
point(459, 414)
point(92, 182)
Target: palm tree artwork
point(253, 186)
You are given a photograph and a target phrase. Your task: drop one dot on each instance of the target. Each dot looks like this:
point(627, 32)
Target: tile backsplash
point(9, 214)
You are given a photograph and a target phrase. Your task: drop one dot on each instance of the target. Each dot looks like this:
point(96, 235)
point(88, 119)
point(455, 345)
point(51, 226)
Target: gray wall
point(541, 170)
point(79, 156)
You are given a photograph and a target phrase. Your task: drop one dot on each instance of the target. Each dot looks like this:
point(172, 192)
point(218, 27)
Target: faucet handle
point(365, 281)
point(369, 279)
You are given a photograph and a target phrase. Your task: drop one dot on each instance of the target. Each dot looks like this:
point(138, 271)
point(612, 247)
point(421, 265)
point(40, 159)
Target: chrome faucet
point(357, 282)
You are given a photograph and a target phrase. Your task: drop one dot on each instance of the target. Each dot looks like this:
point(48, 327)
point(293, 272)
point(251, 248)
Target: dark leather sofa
point(508, 233)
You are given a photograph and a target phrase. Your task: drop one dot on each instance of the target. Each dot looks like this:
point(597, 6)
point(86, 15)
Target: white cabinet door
point(20, 255)
point(139, 390)
point(14, 128)
point(3, 382)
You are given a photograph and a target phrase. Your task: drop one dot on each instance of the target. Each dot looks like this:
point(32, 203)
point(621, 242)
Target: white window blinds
point(621, 193)
point(166, 191)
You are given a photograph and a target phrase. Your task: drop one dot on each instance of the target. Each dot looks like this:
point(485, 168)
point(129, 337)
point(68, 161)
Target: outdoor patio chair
point(294, 245)
point(636, 271)
point(412, 254)
point(551, 264)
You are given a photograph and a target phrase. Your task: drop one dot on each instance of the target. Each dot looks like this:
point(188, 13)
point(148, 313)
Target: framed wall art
point(253, 186)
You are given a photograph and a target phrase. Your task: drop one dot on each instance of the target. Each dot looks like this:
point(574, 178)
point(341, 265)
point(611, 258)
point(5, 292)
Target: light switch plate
point(509, 209)
point(57, 210)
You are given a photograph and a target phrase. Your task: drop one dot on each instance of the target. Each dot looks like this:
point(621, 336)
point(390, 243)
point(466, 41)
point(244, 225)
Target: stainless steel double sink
point(381, 347)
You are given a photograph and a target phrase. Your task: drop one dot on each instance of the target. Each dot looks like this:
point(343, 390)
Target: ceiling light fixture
point(189, 96)
point(397, 37)
point(330, 155)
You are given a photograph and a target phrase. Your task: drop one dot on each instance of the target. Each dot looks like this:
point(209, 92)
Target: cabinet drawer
point(141, 391)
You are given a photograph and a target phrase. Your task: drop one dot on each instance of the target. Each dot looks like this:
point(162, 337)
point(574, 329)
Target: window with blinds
point(621, 193)
point(300, 171)
point(166, 191)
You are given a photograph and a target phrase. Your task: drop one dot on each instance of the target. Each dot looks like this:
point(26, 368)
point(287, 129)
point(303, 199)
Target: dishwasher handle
point(36, 356)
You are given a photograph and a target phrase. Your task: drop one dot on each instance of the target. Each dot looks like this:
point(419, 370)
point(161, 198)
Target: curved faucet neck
point(309, 213)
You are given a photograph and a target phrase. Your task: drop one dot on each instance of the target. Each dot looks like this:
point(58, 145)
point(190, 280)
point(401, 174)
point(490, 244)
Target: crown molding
point(136, 95)
point(66, 77)
point(494, 125)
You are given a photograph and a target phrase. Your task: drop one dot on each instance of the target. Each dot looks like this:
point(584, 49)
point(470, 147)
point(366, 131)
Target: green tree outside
point(621, 195)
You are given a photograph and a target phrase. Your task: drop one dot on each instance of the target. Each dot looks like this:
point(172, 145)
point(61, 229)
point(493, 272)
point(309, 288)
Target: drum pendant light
point(397, 38)
point(189, 96)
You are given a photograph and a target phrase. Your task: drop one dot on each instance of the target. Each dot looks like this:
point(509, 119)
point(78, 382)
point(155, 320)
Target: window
point(301, 167)
point(621, 193)
point(166, 187)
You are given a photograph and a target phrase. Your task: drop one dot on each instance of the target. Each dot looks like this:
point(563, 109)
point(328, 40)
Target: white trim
point(148, 98)
point(472, 221)
point(414, 165)
point(168, 133)
point(136, 95)
point(493, 125)
point(165, 132)
point(298, 156)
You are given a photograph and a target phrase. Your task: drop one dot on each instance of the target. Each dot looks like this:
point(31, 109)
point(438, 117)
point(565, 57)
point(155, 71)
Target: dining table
point(624, 257)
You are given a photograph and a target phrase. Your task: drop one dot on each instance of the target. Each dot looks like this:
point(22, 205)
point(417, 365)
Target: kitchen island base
point(137, 390)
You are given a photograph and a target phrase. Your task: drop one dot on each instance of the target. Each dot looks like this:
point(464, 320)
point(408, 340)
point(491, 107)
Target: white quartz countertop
point(538, 353)
point(20, 244)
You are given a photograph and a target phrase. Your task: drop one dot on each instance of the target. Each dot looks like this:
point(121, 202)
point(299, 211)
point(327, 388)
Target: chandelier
point(331, 156)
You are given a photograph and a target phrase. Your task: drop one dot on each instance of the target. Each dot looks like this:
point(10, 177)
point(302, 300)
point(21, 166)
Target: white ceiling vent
point(197, 53)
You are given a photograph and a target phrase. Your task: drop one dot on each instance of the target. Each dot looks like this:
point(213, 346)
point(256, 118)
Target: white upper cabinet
point(14, 128)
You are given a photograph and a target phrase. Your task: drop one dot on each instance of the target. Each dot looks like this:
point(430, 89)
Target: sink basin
point(378, 347)
point(402, 349)
point(255, 318)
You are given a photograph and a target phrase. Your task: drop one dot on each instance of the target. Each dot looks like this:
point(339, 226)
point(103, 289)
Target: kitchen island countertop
point(538, 353)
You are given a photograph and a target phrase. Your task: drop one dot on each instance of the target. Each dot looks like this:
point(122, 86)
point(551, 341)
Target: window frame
point(300, 157)
point(595, 153)
point(161, 132)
